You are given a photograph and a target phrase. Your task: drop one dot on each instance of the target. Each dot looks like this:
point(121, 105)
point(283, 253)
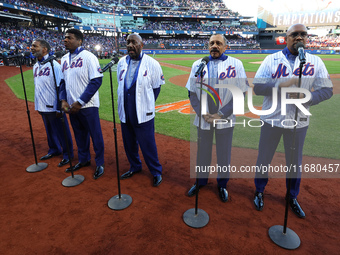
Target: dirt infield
point(40, 216)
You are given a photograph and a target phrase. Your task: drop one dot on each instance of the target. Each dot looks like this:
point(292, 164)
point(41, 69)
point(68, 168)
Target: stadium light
point(97, 47)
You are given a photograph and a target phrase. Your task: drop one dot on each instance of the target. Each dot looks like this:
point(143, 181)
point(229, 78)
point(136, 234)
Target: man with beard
point(139, 82)
point(45, 99)
point(281, 70)
point(80, 98)
point(224, 70)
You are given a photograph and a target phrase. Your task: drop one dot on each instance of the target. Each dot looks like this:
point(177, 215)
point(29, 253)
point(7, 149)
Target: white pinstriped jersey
point(150, 76)
point(45, 95)
point(276, 69)
point(230, 71)
point(78, 71)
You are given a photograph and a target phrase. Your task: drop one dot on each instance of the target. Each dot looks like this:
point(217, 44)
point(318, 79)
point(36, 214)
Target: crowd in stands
point(166, 3)
point(172, 7)
point(203, 26)
point(15, 39)
point(170, 25)
point(323, 42)
point(38, 7)
point(198, 43)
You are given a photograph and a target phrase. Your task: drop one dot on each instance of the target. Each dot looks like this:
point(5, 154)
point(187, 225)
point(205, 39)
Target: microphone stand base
point(289, 241)
point(36, 167)
point(116, 203)
point(73, 181)
point(198, 220)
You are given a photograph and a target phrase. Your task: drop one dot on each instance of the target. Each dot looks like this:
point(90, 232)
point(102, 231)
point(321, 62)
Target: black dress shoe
point(63, 162)
point(99, 172)
point(223, 193)
point(129, 174)
point(193, 189)
point(78, 166)
point(296, 208)
point(258, 201)
point(48, 156)
point(157, 180)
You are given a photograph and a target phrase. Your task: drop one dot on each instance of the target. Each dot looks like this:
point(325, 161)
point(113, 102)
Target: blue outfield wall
point(228, 51)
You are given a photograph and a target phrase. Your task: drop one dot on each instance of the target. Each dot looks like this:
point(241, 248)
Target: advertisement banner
point(277, 13)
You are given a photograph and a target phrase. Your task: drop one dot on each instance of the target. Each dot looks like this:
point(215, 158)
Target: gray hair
point(224, 39)
point(44, 44)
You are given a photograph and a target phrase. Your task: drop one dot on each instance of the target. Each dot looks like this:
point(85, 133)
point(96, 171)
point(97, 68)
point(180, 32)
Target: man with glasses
point(281, 70)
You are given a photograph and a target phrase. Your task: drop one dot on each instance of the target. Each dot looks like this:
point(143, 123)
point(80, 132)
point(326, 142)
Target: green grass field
point(322, 137)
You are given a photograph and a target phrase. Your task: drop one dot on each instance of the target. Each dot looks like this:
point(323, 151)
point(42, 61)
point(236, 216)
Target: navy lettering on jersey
point(44, 72)
point(231, 73)
point(121, 75)
point(308, 70)
point(74, 64)
point(280, 71)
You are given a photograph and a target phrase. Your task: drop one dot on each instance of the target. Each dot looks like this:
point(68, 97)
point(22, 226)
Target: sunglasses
point(296, 34)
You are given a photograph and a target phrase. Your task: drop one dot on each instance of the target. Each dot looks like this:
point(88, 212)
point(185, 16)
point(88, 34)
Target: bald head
point(136, 36)
point(296, 33)
point(134, 45)
point(294, 26)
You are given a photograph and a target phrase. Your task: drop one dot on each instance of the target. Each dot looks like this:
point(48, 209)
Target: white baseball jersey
point(78, 70)
point(150, 76)
point(276, 69)
point(45, 95)
point(230, 72)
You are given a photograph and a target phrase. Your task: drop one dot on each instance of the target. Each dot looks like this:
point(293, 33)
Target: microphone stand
point(281, 235)
point(120, 201)
point(72, 180)
point(41, 165)
point(195, 217)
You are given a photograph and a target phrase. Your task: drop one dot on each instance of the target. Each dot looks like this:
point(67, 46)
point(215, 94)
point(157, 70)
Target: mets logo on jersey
point(281, 71)
point(308, 70)
point(146, 73)
point(44, 72)
point(74, 64)
point(230, 73)
point(162, 77)
point(121, 75)
point(99, 70)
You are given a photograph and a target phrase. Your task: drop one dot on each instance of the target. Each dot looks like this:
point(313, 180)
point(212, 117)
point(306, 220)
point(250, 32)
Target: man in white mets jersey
point(80, 98)
point(139, 82)
point(281, 70)
point(221, 70)
point(45, 98)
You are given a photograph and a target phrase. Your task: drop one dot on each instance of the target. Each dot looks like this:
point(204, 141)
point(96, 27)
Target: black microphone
point(110, 64)
point(204, 62)
point(301, 49)
point(58, 54)
point(19, 55)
